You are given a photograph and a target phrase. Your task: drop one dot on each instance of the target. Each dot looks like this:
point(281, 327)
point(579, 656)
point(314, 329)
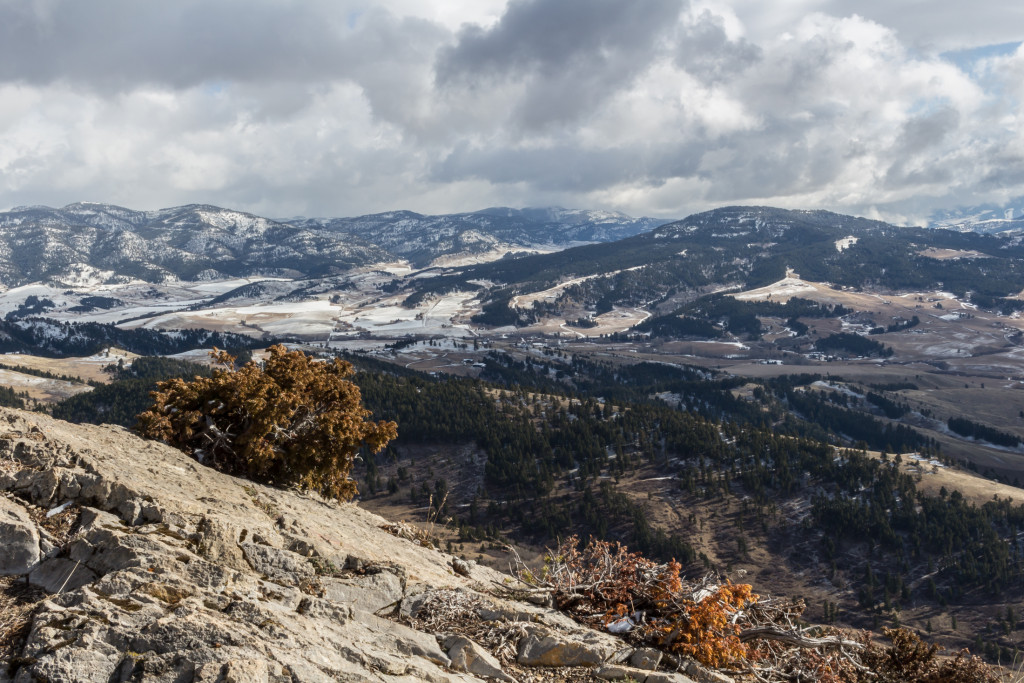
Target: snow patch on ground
point(527, 300)
point(845, 243)
point(841, 388)
point(217, 287)
point(83, 276)
point(782, 290)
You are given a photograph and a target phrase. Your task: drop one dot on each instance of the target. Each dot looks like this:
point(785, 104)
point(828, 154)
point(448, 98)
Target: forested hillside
point(42, 337)
point(752, 247)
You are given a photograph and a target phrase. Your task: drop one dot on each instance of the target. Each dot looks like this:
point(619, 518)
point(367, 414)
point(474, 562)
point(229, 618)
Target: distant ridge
point(984, 219)
point(111, 244)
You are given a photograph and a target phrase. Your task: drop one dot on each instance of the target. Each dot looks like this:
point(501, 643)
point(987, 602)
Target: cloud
point(120, 44)
point(654, 106)
point(926, 28)
point(569, 168)
point(569, 54)
point(836, 112)
point(706, 50)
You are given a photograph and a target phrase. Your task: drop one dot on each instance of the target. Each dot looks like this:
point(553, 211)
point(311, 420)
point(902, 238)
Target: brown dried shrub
point(290, 422)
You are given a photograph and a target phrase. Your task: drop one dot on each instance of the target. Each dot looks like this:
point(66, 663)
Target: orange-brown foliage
point(290, 422)
point(702, 629)
point(606, 577)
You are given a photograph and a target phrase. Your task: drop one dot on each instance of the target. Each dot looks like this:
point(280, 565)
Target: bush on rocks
point(291, 422)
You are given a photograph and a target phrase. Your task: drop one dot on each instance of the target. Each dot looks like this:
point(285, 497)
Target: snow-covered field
point(306, 318)
point(951, 254)
point(781, 291)
point(331, 316)
point(331, 309)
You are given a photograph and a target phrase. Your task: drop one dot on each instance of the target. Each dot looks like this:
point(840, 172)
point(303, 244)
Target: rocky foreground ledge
point(123, 559)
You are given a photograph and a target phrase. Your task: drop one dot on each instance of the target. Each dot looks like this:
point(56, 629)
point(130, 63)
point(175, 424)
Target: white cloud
point(654, 107)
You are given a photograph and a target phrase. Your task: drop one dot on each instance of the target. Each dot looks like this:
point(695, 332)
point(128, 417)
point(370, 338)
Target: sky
point(891, 109)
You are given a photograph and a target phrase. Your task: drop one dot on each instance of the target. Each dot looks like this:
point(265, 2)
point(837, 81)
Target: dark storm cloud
point(919, 134)
point(569, 168)
point(552, 35)
point(1006, 171)
point(778, 164)
point(119, 44)
point(705, 50)
point(570, 53)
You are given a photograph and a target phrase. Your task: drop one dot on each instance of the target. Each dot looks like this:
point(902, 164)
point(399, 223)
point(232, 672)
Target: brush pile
point(724, 625)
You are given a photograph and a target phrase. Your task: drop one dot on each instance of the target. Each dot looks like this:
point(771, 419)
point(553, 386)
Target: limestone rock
point(19, 539)
point(702, 674)
point(407, 640)
point(59, 574)
point(615, 672)
point(176, 572)
point(660, 677)
point(282, 566)
point(83, 660)
point(369, 593)
point(466, 655)
point(546, 648)
point(645, 658)
point(246, 671)
point(460, 566)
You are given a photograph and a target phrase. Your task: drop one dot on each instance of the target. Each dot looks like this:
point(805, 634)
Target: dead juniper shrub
point(290, 422)
point(910, 660)
point(727, 626)
point(605, 578)
point(703, 628)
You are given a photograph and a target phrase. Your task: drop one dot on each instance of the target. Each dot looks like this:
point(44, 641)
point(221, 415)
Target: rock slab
point(466, 655)
point(19, 539)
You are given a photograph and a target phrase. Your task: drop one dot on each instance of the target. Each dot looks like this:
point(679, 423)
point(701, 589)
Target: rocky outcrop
point(134, 562)
point(20, 540)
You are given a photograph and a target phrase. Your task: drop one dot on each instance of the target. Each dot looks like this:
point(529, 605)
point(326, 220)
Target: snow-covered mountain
point(422, 239)
point(743, 224)
point(984, 219)
point(87, 242)
point(111, 243)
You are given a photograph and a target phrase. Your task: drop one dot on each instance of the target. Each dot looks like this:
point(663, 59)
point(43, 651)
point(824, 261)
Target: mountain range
point(88, 242)
point(632, 260)
point(746, 247)
point(987, 218)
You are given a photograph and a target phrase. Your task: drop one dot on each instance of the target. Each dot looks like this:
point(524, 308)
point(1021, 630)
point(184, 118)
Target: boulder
point(369, 593)
point(406, 640)
point(542, 647)
point(466, 655)
point(617, 672)
point(19, 539)
point(660, 677)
